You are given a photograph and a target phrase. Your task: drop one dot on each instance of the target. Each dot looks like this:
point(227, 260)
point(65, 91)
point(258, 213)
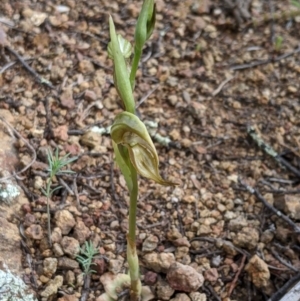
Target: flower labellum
point(131, 132)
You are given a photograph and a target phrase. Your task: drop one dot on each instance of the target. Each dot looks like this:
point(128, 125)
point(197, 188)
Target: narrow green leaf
point(121, 76)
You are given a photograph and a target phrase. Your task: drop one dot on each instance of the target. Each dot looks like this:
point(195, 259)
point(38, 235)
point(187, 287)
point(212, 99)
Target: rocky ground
point(219, 89)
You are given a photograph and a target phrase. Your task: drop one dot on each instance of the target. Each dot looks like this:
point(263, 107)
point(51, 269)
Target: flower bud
point(131, 132)
point(145, 23)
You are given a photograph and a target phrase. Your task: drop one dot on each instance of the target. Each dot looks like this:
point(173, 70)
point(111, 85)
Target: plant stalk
point(132, 258)
point(135, 65)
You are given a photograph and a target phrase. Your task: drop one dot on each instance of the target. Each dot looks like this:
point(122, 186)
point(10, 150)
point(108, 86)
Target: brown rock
point(237, 224)
point(50, 265)
point(184, 278)
point(65, 221)
point(115, 265)
point(201, 7)
point(34, 232)
point(267, 236)
point(289, 204)
point(181, 297)
point(57, 73)
point(58, 251)
point(182, 242)
point(61, 132)
point(258, 271)
point(229, 248)
point(29, 219)
point(70, 246)
point(52, 287)
point(91, 139)
point(66, 98)
point(90, 95)
point(196, 296)
point(150, 278)
point(67, 263)
point(88, 221)
point(247, 238)
point(81, 232)
point(196, 24)
point(159, 262)
point(181, 252)
point(86, 67)
point(100, 266)
point(56, 235)
point(70, 277)
point(211, 275)
point(150, 243)
point(163, 290)
point(68, 298)
point(10, 251)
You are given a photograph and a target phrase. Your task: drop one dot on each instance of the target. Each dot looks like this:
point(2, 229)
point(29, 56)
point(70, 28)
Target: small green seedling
point(278, 43)
point(134, 150)
point(55, 168)
point(86, 258)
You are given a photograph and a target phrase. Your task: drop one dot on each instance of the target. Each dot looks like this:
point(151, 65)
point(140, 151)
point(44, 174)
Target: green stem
point(132, 258)
point(133, 205)
point(135, 64)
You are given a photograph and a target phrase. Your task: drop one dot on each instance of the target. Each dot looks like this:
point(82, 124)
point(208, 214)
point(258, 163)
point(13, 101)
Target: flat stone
point(65, 221)
point(184, 278)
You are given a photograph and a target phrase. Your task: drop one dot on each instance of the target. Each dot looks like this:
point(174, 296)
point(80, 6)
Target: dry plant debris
point(211, 70)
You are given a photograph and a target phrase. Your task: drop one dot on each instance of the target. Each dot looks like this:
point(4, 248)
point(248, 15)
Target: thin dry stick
point(64, 184)
point(213, 292)
point(10, 127)
point(145, 97)
point(270, 151)
point(285, 288)
point(221, 86)
point(40, 79)
point(267, 61)
point(233, 283)
point(281, 260)
point(269, 206)
point(76, 191)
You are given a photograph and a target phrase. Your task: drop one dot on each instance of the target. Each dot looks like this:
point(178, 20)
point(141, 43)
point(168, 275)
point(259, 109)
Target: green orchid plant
point(134, 150)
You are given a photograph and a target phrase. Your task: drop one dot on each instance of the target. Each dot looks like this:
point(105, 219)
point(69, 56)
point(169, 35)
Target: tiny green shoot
point(55, 168)
point(278, 43)
point(88, 253)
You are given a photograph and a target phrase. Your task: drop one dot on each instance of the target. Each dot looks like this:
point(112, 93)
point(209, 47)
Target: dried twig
point(269, 206)
point(214, 240)
point(65, 185)
point(213, 292)
point(76, 191)
point(264, 62)
point(285, 288)
point(40, 79)
point(233, 283)
point(270, 151)
point(281, 260)
point(145, 97)
point(223, 83)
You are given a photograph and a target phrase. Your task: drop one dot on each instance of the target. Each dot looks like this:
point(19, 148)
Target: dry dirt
point(219, 88)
